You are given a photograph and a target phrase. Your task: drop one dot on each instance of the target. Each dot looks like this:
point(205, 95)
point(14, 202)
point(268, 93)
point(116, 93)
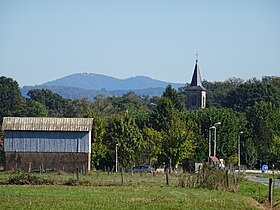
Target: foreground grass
point(258, 191)
point(117, 197)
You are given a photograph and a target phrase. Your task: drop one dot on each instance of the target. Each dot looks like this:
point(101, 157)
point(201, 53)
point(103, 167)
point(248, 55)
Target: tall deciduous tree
point(122, 131)
point(150, 146)
point(98, 149)
point(52, 101)
point(35, 109)
point(264, 123)
point(177, 143)
point(11, 101)
point(173, 95)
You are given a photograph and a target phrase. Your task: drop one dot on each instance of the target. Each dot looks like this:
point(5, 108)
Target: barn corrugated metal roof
point(47, 124)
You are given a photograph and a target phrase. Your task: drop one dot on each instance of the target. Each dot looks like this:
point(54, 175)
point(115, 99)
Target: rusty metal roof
point(214, 159)
point(47, 124)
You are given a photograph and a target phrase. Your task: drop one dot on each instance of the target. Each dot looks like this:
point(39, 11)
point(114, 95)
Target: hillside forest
point(160, 131)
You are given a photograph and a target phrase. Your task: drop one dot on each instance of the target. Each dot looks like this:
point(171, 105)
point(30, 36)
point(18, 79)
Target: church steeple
point(196, 78)
point(196, 93)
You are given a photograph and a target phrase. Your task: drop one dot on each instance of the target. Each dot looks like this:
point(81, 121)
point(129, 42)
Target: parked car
point(142, 169)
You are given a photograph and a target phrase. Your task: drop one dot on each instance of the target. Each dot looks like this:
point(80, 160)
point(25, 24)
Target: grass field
point(63, 197)
point(139, 191)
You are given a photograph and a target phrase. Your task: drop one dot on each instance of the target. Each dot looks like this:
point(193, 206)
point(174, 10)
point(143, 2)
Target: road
point(258, 178)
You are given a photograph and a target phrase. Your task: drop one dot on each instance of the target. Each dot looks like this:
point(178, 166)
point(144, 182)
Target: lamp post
point(239, 136)
point(210, 140)
point(209, 154)
point(215, 136)
point(117, 157)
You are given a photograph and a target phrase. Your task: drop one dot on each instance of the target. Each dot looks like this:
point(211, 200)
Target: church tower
point(196, 93)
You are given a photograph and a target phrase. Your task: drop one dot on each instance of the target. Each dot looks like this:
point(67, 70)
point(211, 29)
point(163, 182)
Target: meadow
point(138, 191)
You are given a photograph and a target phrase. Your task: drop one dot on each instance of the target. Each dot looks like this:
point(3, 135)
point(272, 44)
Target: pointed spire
point(196, 79)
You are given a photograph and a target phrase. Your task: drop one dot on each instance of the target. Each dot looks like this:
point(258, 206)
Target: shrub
point(21, 178)
point(76, 182)
point(211, 178)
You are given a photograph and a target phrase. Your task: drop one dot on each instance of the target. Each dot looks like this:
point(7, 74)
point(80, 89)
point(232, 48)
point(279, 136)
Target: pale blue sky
point(42, 40)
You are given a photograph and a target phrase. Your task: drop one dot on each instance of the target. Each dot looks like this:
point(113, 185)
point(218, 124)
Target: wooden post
point(167, 176)
point(77, 173)
point(270, 190)
point(227, 178)
point(29, 168)
point(122, 176)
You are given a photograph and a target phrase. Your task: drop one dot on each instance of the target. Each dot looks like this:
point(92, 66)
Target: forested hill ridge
point(97, 82)
point(89, 85)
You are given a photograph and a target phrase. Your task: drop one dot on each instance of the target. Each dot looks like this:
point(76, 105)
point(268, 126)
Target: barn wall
point(47, 141)
point(67, 162)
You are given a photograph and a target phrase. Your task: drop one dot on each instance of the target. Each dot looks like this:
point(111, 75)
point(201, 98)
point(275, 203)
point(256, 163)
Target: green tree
point(174, 97)
point(264, 123)
point(98, 149)
point(177, 143)
point(35, 109)
point(11, 101)
point(149, 148)
point(122, 130)
point(77, 107)
point(227, 133)
point(52, 101)
point(275, 151)
point(162, 115)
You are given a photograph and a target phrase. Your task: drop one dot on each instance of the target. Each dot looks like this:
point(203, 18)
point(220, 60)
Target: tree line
point(159, 130)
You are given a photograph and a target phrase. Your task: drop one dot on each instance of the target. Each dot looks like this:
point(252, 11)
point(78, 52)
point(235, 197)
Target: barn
point(48, 144)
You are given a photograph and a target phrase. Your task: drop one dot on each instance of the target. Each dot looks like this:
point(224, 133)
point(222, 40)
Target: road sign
point(264, 168)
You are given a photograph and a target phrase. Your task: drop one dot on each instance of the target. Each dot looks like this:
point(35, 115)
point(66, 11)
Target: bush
point(76, 182)
point(210, 178)
point(21, 178)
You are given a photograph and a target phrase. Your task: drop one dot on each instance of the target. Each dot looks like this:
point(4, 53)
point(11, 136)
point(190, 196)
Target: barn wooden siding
point(57, 143)
point(43, 141)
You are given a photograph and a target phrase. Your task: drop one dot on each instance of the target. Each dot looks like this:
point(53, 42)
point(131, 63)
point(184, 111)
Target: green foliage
point(36, 109)
point(252, 91)
point(98, 149)
point(76, 182)
point(227, 133)
point(11, 101)
point(122, 130)
point(177, 144)
point(264, 122)
point(52, 101)
point(77, 107)
point(217, 92)
point(150, 146)
point(172, 94)
point(275, 150)
point(211, 178)
point(21, 178)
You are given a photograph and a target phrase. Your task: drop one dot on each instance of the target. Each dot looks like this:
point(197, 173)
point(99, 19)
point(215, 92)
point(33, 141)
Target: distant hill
point(97, 82)
point(89, 85)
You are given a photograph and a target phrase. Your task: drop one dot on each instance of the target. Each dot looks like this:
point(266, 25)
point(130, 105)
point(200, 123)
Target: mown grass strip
point(62, 197)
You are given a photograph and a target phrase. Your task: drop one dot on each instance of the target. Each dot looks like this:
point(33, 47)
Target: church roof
point(196, 83)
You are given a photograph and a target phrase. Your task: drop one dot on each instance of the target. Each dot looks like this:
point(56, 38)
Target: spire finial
point(196, 55)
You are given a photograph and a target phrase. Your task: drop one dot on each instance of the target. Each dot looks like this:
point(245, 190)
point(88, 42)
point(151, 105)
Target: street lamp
point(117, 157)
point(239, 136)
point(210, 141)
point(215, 136)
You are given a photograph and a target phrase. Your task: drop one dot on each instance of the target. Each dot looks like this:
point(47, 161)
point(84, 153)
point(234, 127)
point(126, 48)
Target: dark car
point(142, 169)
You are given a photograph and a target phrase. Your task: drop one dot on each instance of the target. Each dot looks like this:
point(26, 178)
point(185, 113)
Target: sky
point(43, 40)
